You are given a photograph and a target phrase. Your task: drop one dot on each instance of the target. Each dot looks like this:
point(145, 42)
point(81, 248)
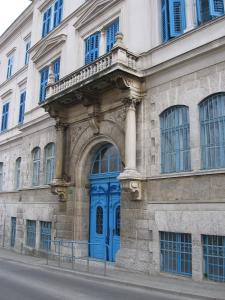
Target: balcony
point(94, 77)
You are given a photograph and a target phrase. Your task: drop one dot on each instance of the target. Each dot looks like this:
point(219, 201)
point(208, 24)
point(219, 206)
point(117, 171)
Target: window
point(107, 160)
point(9, 67)
point(27, 56)
point(49, 162)
point(175, 140)
point(92, 47)
point(1, 176)
point(17, 173)
point(56, 67)
point(173, 18)
point(209, 9)
point(52, 17)
point(214, 257)
point(58, 7)
point(36, 153)
point(45, 241)
point(46, 22)
point(43, 84)
point(22, 107)
point(31, 233)
point(5, 112)
point(99, 220)
point(212, 126)
point(176, 253)
point(111, 32)
point(13, 231)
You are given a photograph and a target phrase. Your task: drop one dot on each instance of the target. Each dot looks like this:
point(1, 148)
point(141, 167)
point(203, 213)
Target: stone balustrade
point(118, 56)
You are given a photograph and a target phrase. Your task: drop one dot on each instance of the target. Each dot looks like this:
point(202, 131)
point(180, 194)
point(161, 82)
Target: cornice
point(24, 68)
point(48, 45)
point(6, 94)
point(22, 19)
point(44, 5)
point(93, 9)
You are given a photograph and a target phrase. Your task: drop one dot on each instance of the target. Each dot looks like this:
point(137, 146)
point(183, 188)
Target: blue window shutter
point(56, 66)
point(5, 112)
point(111, 32)
point(92, 47)
point(22, 107)
point(216, 8)
point(177, 17)
point(46, 22)
point(43, 84)
point(165, 23)
point(58, 7)
point(198, 8)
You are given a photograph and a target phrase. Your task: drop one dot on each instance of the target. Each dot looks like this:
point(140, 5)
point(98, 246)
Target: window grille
point(36, 153)
point(212, 123)
point(214, 257)
point(176, 253)
point(175, 140)
point(45, 241)
point(31, 233)
point(13, 231)
point(49, 162)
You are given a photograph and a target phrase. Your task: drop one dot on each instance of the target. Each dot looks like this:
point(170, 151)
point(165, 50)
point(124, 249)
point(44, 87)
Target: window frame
point(49, 162)
point(36, 164)
point(22, 106)
point(5, 116)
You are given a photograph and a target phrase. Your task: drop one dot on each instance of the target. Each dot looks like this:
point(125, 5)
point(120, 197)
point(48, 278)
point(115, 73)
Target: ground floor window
point(176, 253)
point(13, 231)
point(31, 233)
point(45, 241)
point(214, 257)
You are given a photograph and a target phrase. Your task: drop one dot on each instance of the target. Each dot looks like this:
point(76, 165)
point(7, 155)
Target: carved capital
point(134, 187)
point(60, 126)
point(60, 188)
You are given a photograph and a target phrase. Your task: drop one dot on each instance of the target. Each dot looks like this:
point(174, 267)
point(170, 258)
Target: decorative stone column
point(190, 8)
point(59, 186)
point(131, 178)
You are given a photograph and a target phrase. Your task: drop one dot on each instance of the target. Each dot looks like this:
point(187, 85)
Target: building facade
point(113, 132)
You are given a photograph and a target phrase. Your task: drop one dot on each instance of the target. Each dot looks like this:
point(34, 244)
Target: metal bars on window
point(45, 241)
point(49, 162)
point(214, 257)
point(31, 233)
point(176, 253)
point(13, 231)
point(175, 140)
point(212, 123)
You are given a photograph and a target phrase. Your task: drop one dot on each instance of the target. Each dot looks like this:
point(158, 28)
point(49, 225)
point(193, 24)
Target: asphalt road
point(26, 282)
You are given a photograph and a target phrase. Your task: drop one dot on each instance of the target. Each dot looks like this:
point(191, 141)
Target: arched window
point(175, 140)
point(107, 161)
point(36, 153)
point(17, 173)
point(212, 123)
point(49, 162)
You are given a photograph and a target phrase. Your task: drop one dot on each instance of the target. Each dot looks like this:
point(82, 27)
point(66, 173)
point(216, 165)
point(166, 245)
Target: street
point(25, 282)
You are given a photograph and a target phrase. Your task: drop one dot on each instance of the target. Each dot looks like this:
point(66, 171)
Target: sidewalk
point(177, 286)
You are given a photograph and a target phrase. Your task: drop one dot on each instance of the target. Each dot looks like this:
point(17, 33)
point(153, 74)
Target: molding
point(47, 46)
point(22, 82)
point(25, 67)
point(93, 9)
point(27, 37)
point(44, 5)
point(6, 94)
point(11, 51)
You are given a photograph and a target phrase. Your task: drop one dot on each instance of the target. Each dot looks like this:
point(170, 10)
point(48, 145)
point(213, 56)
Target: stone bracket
point(133, 186)
point(60, 188)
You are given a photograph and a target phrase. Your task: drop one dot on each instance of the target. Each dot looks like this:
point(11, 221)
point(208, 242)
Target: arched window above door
point(106, 161)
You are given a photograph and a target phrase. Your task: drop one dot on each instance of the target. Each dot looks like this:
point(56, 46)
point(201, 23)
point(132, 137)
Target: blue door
point(105, 204)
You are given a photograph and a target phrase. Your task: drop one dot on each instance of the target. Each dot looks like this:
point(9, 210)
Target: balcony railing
point(119, 56)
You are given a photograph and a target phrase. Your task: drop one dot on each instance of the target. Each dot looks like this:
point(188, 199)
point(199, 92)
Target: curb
point(131, 284)
point(110, 280)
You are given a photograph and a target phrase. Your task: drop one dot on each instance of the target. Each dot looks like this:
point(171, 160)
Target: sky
point(10, 10)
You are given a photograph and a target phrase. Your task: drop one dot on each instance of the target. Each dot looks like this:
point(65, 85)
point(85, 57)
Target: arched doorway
point(105, 203)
